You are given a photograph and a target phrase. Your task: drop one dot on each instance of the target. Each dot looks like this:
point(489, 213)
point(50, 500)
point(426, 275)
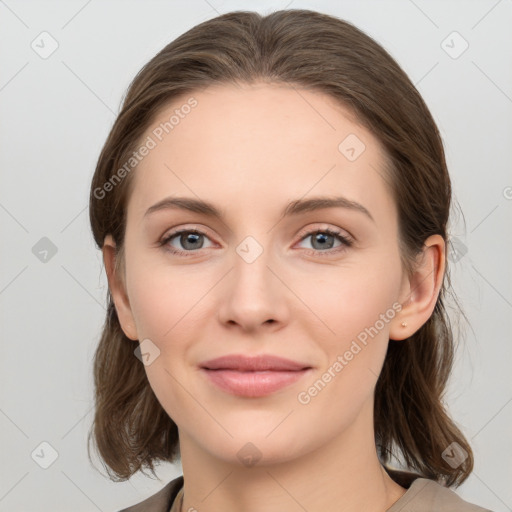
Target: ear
point(117, 289)
point(419, 293)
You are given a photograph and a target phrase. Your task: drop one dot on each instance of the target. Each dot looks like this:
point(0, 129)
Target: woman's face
point(273, 274)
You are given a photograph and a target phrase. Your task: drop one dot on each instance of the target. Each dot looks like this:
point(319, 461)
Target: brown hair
point(309, 50)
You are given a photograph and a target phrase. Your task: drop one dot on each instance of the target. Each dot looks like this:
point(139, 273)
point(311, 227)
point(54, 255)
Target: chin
point(250, 448)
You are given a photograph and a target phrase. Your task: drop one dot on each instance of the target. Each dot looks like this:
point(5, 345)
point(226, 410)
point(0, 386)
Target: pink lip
point(253, 376)
point(260, 362)
point(251, 383)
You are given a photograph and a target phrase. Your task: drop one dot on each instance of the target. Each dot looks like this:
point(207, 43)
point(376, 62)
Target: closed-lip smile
point(253, 376)
point(262, 362)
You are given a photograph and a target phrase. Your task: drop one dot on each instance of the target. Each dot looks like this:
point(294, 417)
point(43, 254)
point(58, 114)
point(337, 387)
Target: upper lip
point(253, 363)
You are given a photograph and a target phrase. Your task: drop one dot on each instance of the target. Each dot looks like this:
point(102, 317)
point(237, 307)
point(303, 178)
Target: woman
point(272, 204)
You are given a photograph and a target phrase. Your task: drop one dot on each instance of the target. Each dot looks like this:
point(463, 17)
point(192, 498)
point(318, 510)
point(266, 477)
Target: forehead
point(249, 143)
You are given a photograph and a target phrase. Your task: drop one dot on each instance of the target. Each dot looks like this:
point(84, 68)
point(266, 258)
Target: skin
point(250, 150)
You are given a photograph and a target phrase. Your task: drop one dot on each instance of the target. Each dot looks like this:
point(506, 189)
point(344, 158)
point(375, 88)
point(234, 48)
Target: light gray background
point(55, 115)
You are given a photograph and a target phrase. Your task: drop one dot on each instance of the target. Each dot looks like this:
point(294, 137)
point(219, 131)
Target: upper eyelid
point(171, 233)
point(337, 231)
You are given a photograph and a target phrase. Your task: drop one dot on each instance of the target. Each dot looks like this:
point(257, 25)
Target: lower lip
point(253, 384)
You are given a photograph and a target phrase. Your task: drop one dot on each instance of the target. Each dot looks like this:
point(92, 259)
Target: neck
point(343, 475)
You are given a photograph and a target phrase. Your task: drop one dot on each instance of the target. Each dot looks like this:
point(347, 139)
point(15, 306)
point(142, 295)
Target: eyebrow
point(293, 208)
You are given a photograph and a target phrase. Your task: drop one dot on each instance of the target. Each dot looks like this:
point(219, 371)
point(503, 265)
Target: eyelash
point(346, 242)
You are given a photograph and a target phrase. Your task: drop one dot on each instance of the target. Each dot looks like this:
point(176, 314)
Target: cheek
point(164, 306)
point(154, 309)
point(356, 304)
point(164, 300)
point(359, 315)
point(350, 299)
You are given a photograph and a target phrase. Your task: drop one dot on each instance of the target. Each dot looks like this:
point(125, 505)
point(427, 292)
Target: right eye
point(189, 239)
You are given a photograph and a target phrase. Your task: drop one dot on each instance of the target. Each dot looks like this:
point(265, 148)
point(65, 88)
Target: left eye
point(325, 239)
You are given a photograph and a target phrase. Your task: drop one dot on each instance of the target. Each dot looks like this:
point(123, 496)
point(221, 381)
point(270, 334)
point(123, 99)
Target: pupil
point(189, 238)
point(321, 239)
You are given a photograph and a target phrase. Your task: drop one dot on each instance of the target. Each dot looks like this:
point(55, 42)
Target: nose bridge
point(250, 249)
point(251, 269)
point(253, 294)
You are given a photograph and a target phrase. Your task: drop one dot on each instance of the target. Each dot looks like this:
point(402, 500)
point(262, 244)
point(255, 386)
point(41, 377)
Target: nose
point(252, 294)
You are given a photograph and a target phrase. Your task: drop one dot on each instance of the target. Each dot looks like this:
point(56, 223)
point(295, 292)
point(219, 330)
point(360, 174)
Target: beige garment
point(426, 495)
point(423, 495)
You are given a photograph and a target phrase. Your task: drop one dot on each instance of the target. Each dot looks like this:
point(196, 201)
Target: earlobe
point(117, 289)
point(420, 291)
